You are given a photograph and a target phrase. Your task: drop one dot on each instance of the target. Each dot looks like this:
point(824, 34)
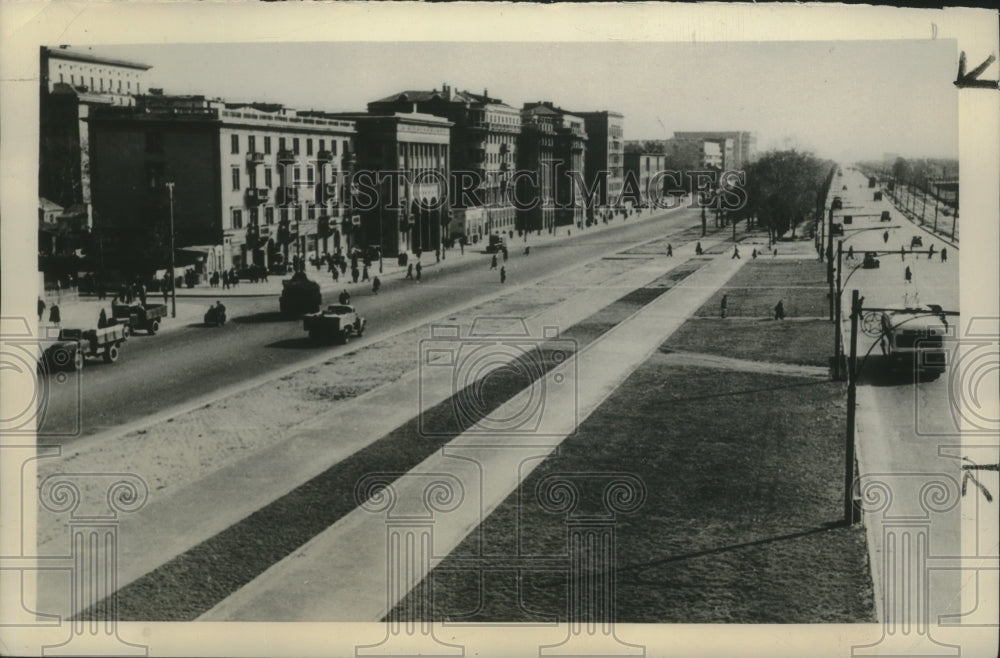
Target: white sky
point(843, 99)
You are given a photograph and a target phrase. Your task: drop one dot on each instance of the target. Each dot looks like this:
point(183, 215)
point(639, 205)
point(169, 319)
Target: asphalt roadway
point(156, 373)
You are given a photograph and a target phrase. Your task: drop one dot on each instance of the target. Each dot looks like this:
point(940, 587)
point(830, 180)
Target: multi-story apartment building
point(402, 181)
point(569, 152)
point(252, 183)
point(605, 162)
point(484, 138)
point(536, 157)
point(641, 171)
point(72, 83)
point(738, 148)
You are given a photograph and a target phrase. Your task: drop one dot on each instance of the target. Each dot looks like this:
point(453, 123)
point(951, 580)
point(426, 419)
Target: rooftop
point(63, 52)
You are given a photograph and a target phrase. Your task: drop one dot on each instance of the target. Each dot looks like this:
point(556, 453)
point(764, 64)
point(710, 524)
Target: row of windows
point(251, 144)
point(111, 84)
point(289, 214)
point(269, 176)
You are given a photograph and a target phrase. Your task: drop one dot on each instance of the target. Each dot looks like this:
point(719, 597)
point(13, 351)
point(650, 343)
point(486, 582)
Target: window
point(333, 146)
point(310, 178)
point(237, 218)
point(295, 145)
point(309, 147)
point(235, 141)
point(119, 86)
point(297, 174)
point(267, 177)
point(254, 216)
point(91, 83)
point(61, 78)
point(269, 215)
point(267, 145)
point(72, 80)
point(281, 143)
point(130, 86)
point(154, 174)
point(252, 177)
point(298, 213)
point(322, 145)
point(154, 142)
point(251, 144)
point(236, 178)
point(312, 211)
point(284, 214)
point(102, 84)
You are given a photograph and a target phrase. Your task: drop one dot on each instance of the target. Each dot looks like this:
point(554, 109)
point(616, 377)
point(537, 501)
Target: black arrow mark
point(967, 476)
point(971, 79)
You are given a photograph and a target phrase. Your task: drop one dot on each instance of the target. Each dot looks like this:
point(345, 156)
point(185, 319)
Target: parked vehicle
point(837, 203)
point(878, 196)
point(137, 316)
point(299, 295)
point(916, 241)
point(336, 324)
point(73, 346)
point(496, 244)
point(886, 217)
point(914, 337)
point(870, 262)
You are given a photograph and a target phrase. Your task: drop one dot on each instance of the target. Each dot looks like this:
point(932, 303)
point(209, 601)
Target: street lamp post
point(173, 277)
point(852, 375)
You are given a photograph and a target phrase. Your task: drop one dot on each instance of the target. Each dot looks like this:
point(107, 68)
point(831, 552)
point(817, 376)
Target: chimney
point(486, 93)
point(447, 91)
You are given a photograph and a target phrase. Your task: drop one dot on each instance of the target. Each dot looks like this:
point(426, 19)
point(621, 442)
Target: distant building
point(605, 153)
point(642, 168)
point(484, 136)
point(569, 149)
point(712, 154)
point(536, 154)
point(254, 183)
point(738, 148)
point(416, 216)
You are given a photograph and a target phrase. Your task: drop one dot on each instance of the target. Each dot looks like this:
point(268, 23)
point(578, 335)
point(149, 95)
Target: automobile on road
point(886, 217)
point(335, 324)
point(138, 316)
point(73, 346)
point(870, 262)
point(914, 337)
point(916, 241)
point(299, 295)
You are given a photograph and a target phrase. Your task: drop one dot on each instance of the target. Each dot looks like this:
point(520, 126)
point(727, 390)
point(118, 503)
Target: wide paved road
point(159, 372)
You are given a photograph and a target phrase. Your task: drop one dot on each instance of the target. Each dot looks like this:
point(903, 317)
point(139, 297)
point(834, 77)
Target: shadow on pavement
point(266, 316)
point(303, 343)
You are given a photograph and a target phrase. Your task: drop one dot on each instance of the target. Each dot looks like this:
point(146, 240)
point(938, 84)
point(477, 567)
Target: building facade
point(738, 148)
point(403, 167)
point(484, 140)
point(252, 183)
point(536, 158)
point(569, 152)
point(605, 153)
point(641, 170)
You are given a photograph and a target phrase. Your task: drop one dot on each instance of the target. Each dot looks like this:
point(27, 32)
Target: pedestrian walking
point(930, 252)
point(343, 267)
point(376, 284)
point(725, 300)
point(736, 253)
point(354, 273)
point(527, 250)
point(102, 320)
point(885, 237)
point(344, 297)
point(141, 288)
point(437, 254)
point(166, 290)
point(850, 252)
point(225, 280)
point(697, 249)
point(505, 254)
point(779, 310)
point(670, 250)
point(364, 274)
point(420, 269)
point(461, 245)
point(409, 271)
point(944, 254)
point(908, 275)
point(54, 317)
point(902, 252)
point(100, 288)
point(754, 254)
point(503, 275)
point(493, 263)
point(41, 308)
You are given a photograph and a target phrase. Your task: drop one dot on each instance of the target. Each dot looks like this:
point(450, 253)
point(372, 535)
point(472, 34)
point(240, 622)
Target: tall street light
point(173, 277)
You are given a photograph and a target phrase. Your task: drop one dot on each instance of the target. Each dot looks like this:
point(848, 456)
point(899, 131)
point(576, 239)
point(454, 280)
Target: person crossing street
point(493, 263)
point(503, 275)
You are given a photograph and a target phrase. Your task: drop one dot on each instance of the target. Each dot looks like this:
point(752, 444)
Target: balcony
point(257, 195)
point(286, 155)
point(255, 158)
point(324, 156)
point(287, 196)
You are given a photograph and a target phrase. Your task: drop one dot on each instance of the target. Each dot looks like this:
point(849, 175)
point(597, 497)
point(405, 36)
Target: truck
point(496, 244)
point(73, 346)
point(334, 324)
point(138, 316)
point(299, 295)
point(914, 338)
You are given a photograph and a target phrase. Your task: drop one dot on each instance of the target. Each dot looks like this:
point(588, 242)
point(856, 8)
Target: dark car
point(870, 262)
point(299, 295)
point(886, 217)
point(837, 203)
point(836, 229)
point(916, 241)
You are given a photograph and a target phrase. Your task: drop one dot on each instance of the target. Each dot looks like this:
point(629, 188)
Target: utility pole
point(836, 321)
point(173, 275)
point(852, 374)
